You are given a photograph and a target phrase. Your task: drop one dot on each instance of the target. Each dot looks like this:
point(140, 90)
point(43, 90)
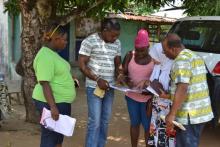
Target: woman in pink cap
point(138, 66)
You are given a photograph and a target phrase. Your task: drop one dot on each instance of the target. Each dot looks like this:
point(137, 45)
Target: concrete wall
point(129, 30)
point(10, 49)
point(4, 54)
point(14, 46)
point(75, 68)
point(16, 39)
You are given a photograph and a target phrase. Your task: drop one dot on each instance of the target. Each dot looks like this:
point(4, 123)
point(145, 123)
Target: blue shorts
point(51, 138)
point(138, 113)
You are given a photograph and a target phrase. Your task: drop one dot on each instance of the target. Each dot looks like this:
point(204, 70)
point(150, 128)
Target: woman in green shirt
point(55, 89)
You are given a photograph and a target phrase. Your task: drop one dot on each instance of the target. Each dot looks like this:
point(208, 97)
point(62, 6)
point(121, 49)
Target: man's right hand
point(169, 122)
point(163, 94)
point(54, 112)
point(103, 84)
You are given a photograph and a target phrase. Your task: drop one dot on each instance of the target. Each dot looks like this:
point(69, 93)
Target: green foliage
point(141, 8)
point(217, 9)
point(64, 7)
point(202, 7)
point(12, 6)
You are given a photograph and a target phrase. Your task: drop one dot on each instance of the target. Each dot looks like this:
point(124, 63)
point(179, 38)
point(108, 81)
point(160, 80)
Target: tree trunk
point(31, 42)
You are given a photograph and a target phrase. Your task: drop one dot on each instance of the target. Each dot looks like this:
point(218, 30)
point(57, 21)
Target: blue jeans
point(138, 113)
point(50, 138)
point(99, 113)
point(190, 137)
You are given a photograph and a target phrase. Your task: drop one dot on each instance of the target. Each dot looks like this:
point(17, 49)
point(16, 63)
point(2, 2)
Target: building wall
point(16, 38)
point(10, 49)
point(129, 30)
point(4, 55)
point(72, 40)
point(14, 46)
point(72, 52)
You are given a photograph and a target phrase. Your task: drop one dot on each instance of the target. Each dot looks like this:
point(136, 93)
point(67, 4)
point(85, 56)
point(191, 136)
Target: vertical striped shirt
point(190, 68)
point(102, 55)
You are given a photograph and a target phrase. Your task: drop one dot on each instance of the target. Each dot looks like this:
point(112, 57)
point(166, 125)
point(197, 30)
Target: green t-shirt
point(49, 66)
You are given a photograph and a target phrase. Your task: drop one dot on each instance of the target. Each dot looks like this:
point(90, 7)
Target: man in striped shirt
point(189, 92)
point(99, 60)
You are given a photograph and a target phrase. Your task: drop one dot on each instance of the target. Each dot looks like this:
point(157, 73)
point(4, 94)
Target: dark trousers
point(50, 138)
point(190, 137)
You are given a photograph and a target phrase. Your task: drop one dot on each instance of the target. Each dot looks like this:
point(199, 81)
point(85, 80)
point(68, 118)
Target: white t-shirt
point(162, 70)
point(102, 55)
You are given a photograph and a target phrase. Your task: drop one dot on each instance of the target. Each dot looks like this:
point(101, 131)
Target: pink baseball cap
point(142, 39)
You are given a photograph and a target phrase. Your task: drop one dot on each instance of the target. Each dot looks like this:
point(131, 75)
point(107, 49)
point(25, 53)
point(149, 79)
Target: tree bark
point(30, 43)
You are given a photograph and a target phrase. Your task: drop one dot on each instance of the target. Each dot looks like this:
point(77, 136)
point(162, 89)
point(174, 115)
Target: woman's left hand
point(142, 84)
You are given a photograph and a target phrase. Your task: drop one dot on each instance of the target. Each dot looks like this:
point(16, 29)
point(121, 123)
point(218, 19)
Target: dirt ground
point(15, 132)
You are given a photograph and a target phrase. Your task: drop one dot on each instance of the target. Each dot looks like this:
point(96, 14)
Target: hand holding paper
point(179, 125)
point(64, 125)
point(157, 86)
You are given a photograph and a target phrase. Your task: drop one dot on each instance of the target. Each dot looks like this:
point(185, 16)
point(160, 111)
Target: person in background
point(99, 61)
point(189, 92)
point(137, 67)
point(161, 106)
point(55, 88)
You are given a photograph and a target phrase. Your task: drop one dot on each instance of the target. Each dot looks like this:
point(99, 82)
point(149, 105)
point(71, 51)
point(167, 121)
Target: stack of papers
point(64, 125)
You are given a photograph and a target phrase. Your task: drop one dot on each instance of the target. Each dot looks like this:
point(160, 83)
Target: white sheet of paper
point(125, 89)
point(149, 88)
point(64, 125)
point(175, 123)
